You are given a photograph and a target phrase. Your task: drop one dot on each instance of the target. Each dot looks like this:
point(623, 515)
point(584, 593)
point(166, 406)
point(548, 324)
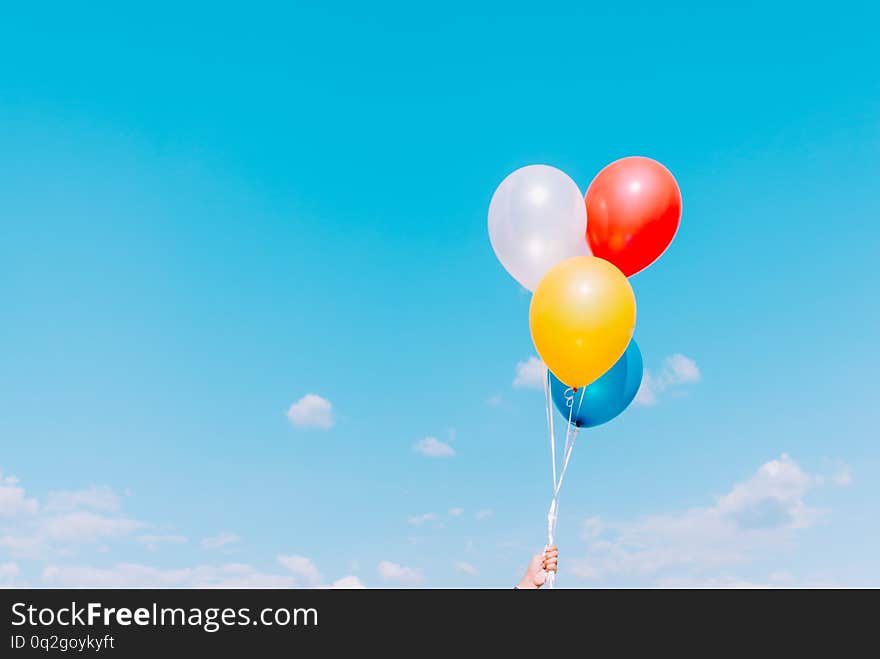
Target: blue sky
point(210, 212)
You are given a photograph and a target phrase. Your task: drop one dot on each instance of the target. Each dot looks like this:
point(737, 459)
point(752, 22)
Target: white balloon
point(537, 218)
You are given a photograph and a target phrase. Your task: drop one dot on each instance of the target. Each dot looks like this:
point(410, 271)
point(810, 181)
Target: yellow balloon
point(582, 318)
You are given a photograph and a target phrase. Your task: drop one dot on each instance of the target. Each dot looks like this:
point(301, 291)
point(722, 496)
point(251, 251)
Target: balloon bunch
point(575, 253)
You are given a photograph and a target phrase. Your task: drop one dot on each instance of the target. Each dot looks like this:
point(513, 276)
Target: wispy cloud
point(302, 568)
point(97, 498)
point(433, 448)
point(399, 574)
point(421, 519)
point(843, 475)
point(466, 568)
point(677, 370)
point(154, 542)
point(86, 527)
point(135, 575)
point(348, 583)
point(13, 500)
point(311, 411)
point(223, 539)
point(483, 514)
point(9, 572)
point(529, 374)
point(228, 575)
point(62, 524)
point(56, 531)
point(754, 519)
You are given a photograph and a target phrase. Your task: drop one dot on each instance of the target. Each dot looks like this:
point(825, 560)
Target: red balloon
point(633, 212)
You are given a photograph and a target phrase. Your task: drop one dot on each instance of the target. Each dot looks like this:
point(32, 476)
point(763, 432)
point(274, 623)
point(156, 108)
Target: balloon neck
point(574, 389)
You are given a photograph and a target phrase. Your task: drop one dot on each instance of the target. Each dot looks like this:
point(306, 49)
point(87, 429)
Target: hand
point(539, 566)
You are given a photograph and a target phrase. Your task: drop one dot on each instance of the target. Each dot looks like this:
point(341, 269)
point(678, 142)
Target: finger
point(551, 548)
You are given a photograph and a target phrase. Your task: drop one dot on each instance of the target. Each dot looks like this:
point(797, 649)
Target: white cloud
point(678, 370)
point(456, 512)
point(59, 526)
point(483, 514)
point(133, 575)
point(153, 542)
point(843, 477)
point(349, 582)
point(421, 519)
point(683, 369)
point(54, 533)
point(223, 539)
point(776, 579)
point(8, 572)
point(25, 544)
point(302, 569)
point(97, 498)
point(466, 568)
point(87, 527)
point(781, 577)
point(592, 527)
point(494, 401)
point(771, 498)
point(648, 390)
point(724, 581)
point(530, 374)
point(12, 499)
point(755, 519)
point(433, 448)
point(311, 411)
point(229, 575)
point(399, 574)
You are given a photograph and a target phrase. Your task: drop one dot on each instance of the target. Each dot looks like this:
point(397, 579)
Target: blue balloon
point(605, 398)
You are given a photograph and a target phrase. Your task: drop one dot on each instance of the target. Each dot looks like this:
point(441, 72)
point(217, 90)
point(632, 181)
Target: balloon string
point(569, 402)
point(549, 409)
point(551, 514)
point(571, 433)
point(550, 579)
point(565, 462)
point(581, 402)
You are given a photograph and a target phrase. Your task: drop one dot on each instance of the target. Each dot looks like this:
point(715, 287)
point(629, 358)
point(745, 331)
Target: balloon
point(633, 212)
point(604, 399)
point(582, 318)
point(537, 218)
